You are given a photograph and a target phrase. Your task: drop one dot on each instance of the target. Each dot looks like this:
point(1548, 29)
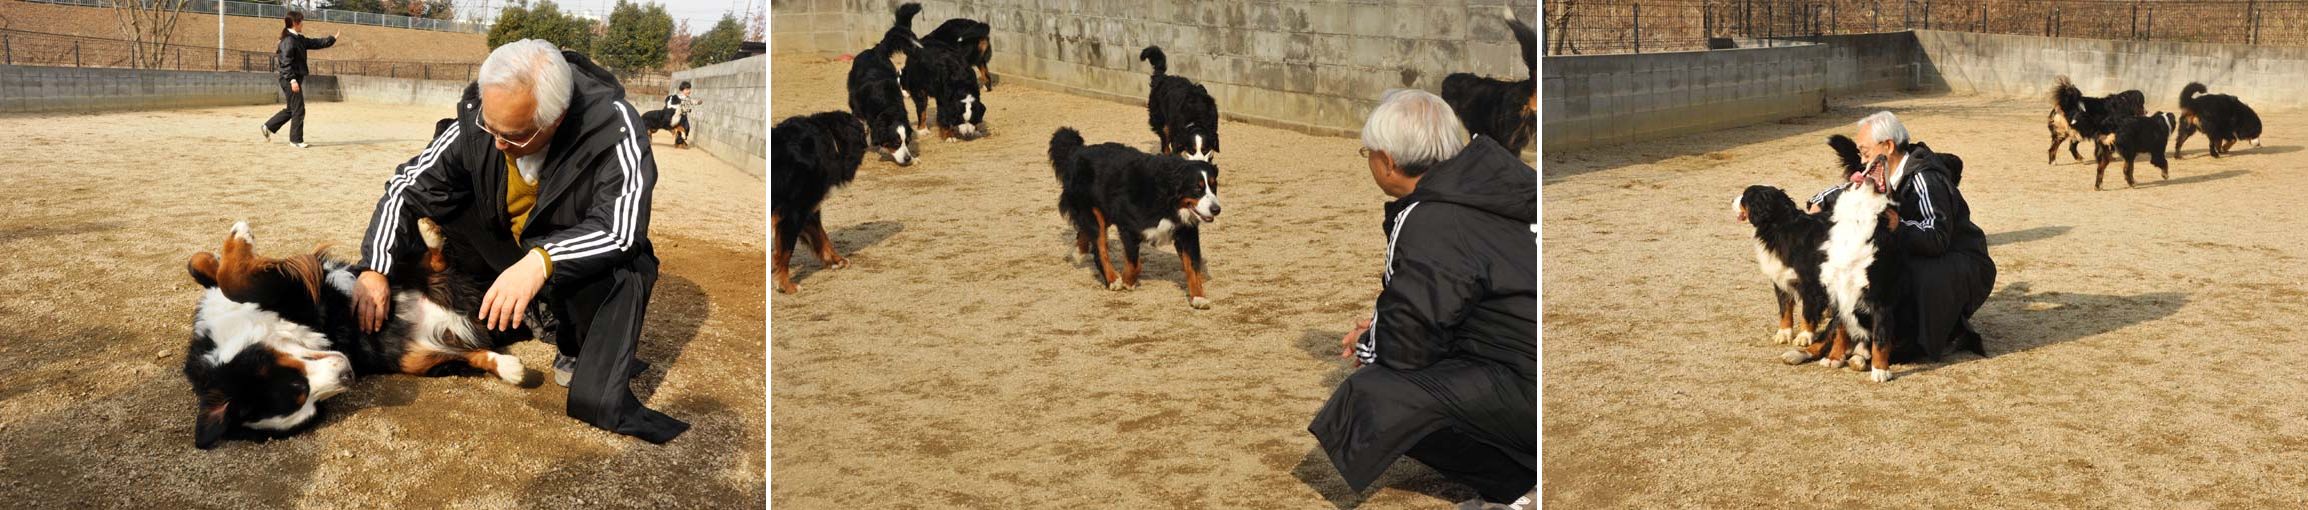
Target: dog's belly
point(432, 326)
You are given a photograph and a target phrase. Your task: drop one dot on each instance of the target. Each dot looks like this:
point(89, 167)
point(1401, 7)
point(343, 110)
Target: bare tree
point(149, 24)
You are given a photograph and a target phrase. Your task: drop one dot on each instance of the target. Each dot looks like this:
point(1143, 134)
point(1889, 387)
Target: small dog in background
point(2223, 119)
point(2133, 136)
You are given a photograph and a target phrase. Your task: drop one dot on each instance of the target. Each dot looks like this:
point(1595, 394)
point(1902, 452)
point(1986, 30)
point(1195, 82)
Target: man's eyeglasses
point(525, 140)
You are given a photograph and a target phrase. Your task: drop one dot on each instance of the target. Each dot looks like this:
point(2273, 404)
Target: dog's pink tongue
point(1858, 177)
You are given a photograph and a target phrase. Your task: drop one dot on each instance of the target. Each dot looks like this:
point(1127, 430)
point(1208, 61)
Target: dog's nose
point(1213, 208)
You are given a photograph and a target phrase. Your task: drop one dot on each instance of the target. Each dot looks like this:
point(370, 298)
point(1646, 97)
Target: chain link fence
point(257, 10)
point(1621, 26)
point(18, 47)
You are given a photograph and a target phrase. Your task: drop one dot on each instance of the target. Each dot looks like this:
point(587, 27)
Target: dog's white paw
point(1198, 302)
point(1858, 363)
point(509, 368)
point(240, 231)
point(1116, 285)
point(1830, 362)
point(1795, 357)
point(1802, 339)
point(1781, 336)
point(1879, 375)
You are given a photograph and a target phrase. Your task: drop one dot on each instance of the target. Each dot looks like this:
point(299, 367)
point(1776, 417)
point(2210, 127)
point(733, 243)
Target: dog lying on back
point(2133, 136)
point(2223, 119)
point(273, 337)
point(1504, 111)
point(1180, 112)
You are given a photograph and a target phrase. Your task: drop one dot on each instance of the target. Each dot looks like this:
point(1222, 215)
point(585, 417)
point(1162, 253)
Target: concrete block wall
point(74, 89)
point(1593, 100)
point(728, 123)
point(2021, 66)
point(409, 91)
point(1312, 65)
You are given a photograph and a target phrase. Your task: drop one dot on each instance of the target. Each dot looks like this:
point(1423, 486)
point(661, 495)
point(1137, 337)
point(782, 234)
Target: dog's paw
point(1879, 375)
point(509, 368)
point(1802, 339)
point(787, 288)
point(1830, 362)
point(1116, 285)
point(1857, 363)
point(1198, 302)
point(1795, 357)
point(837, 263)
point(1781, 337)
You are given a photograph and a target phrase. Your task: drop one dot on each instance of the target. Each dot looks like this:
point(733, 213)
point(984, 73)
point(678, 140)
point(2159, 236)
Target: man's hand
point(369, 304)
point(293, 87)
point(1893, 215)
point(508, 299)
point(1346, 344)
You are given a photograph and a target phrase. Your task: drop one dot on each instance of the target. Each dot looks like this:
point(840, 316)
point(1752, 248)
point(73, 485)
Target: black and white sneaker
point(564, 366)
point(300, 145)
point(267, 133)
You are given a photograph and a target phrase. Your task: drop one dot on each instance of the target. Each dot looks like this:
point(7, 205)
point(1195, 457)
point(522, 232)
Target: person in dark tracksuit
point(1948, 266)
point(546, 173)
point(673, 101)
point(289, 63)
point(1449, 356)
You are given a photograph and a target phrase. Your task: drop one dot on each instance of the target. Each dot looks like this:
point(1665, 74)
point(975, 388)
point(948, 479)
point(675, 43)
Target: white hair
point(1414, 127)
point(538, 65)
point(1882, 126)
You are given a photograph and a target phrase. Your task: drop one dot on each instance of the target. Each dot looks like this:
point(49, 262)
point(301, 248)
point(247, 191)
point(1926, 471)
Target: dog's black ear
point(209, 426)
point(1847, 151)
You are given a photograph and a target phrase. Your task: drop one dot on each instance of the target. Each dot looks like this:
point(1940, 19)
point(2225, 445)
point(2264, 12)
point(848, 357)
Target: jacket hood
point(1484, 177)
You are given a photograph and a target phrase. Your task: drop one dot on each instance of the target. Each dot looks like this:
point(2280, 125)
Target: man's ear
point(203, 268)
point(209, 426)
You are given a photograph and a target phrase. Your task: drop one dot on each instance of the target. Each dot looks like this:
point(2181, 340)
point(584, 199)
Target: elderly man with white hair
point(1452, 341)
point(1945, 254)
point(546, 176)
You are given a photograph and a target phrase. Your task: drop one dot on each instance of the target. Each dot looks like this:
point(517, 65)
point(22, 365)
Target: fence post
point(1638, 28)
point(1707, 20)
point(75, 53)
point(6, 52)
point(2134, 34)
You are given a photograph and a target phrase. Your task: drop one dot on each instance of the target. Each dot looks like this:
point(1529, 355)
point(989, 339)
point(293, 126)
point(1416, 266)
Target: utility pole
point(220, 35)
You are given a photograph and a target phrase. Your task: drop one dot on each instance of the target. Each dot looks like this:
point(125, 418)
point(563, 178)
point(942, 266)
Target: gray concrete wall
point(728, 123)
point(1311, 65)
point(2022, 66)
point(75, 89)
point(1605, 99)
point(409, 91)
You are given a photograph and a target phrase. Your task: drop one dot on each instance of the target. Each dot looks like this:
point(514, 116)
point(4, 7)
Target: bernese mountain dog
point(972, 38)
point(1864, 277)
point(2223, 119)
point(670, 119)
point(814, 155)
point(941, 72)
point(1504, 111)
point(2061, 132)
point(1787, 249)
point(876, 97)
point(1180, 112)
point(2095, 117)
point(2133, 136)
point(1148, 199)
point(272, 337)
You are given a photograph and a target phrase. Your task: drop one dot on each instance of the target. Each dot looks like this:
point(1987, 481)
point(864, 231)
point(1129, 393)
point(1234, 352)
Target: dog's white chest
point(1160, 233)
point(1851, 248)
point(1774, 270)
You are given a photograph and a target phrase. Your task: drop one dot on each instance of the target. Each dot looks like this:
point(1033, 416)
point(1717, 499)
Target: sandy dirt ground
point(98, 214)
point(963, 361)
point(2142, 343)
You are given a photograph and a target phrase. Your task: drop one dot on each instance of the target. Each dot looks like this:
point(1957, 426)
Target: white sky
point(700, 13)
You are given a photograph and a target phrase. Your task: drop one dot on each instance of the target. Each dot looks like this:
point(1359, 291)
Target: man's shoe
point(564, 366)
point(267, 132)
point(300, 145)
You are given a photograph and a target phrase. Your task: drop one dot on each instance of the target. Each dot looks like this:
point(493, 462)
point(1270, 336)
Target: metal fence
point(19, 47)
point(1623, 26)
point(257, 10)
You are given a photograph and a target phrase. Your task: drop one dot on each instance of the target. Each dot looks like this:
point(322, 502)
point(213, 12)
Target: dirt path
point(963, 361)
point(2142, 342)
point(99, 212)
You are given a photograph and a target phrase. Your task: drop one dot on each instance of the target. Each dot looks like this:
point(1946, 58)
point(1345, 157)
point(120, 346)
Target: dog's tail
point(1063, 145)
point(1530, 42)
point(1154, 54)
point(901, 36)
point(2188, 94)
point(2064, 91)
point(1846, 151)
point(906, 14)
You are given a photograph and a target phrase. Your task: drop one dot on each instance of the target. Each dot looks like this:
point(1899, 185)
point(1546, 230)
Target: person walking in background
point(1451, 347)
point(289, 61)
point(680, 119)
